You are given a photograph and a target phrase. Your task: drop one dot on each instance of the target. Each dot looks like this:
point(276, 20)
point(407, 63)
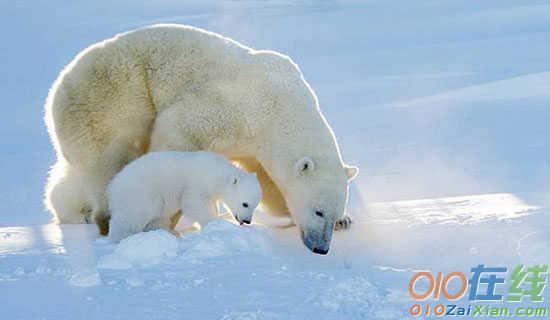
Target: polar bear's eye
point(319, 213)
point(304, 165)
point(245, 204)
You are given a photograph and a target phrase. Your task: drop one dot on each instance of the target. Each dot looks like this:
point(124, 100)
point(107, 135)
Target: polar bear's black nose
point(320, 251)
point(246, 221)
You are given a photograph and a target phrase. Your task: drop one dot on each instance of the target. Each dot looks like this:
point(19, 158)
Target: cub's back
point(161, 170)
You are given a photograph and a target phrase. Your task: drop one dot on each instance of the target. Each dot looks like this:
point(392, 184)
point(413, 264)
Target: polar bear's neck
point(292, 139)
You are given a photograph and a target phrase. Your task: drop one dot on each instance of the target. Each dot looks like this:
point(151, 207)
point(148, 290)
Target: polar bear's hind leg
point(102, 219)
point(65, 195)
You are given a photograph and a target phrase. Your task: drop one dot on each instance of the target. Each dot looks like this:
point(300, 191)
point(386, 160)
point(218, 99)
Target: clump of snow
point(134, 281)
point(19, 271)
point(143, 249)
point(221, 238)
point(86, 279)
point(42, 270)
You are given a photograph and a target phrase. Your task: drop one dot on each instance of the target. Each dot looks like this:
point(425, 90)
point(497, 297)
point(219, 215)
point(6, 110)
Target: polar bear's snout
point(248, 219)
point(318, 241)
point(243, 218)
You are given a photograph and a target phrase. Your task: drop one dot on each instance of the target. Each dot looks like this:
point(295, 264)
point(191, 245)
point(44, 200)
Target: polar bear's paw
point(343, 223)
point(86, 213)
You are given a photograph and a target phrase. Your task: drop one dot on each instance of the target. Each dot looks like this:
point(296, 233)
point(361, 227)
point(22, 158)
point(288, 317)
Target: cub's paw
point(343, 223)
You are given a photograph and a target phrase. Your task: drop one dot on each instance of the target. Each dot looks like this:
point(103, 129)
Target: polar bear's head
point(326, 191)
point(299, 151)
point(241, 195)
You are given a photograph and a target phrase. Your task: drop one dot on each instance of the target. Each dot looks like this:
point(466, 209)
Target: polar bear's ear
point(304, 165)
point(351, 172)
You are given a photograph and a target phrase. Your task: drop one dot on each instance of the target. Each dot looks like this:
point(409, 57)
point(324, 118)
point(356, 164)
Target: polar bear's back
point(118, 86)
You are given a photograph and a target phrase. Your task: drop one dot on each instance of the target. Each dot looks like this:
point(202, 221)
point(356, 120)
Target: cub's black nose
point(320, 251)
point(247, 221)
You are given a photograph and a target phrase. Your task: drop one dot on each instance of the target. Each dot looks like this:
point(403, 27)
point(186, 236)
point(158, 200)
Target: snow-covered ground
point(444, 106)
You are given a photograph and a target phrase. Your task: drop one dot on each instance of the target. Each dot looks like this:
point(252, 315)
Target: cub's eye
point(319, 214)
point(245, 204)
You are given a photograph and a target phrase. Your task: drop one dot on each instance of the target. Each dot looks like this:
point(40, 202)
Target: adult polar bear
point(174, 87)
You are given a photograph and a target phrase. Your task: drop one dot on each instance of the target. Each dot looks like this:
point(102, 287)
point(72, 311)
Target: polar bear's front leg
point(201, 209)
point(343, 223)
point(272, 198)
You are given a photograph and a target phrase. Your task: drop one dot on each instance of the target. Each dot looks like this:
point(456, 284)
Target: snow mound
point(221, 238)
point(533, 85)
point(462, 210)
point(356, 296)
point(249, 315)
point(143, 249)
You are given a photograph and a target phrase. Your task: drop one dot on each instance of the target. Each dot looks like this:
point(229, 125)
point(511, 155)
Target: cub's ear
point(351, 172)
point(304, 166)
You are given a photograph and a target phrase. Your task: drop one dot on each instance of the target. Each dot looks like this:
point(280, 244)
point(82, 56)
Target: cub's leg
point(121, 228)
point(199, 208)
point(175, 219)
point(130, 216)
point(162, 224)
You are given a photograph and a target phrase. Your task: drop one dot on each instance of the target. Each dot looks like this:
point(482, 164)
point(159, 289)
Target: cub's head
point(241, 195)
point(316, 197)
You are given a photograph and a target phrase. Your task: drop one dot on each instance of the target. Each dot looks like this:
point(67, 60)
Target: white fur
point(173, 87)
point(149, 191)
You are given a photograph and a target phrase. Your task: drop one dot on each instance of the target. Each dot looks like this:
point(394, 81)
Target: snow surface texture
point(442, 104)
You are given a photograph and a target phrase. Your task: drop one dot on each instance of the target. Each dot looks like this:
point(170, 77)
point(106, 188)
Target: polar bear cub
point(149, 192)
